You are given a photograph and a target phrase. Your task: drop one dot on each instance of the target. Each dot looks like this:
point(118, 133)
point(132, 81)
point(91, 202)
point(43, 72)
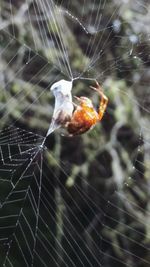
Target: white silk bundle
point(63, 108)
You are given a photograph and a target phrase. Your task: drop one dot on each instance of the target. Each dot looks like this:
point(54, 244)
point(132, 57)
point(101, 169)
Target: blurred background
point(86, 201)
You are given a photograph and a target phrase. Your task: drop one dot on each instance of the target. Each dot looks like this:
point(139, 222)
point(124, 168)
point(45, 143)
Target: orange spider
point(85, 116)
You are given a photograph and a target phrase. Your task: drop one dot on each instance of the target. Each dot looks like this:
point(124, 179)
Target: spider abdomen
point(82, 120)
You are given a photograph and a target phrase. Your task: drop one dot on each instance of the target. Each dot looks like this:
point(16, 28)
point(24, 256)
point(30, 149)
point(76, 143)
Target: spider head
point(84, 101)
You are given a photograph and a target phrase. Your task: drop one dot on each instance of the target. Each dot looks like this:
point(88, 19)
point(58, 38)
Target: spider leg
point(67, 135)
point(103, 101)
point(102, 106)
point(76, 97)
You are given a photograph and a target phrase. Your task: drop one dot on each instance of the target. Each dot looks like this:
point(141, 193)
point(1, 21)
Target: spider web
point(53, 212)
point(20, 158)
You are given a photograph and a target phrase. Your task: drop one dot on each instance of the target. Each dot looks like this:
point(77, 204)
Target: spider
point(85, 116)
